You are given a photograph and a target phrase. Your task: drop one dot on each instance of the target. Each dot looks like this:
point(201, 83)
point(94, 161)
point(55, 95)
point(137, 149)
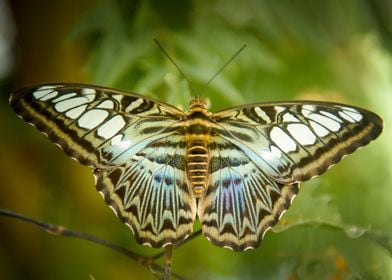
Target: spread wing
point(97, 126)
point(241, 202)
point(151, 193)
point(295, 141)
point(260, 154)
point(132, 144)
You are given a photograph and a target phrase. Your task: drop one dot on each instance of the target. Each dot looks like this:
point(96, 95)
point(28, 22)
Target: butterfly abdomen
point(198, 157)
point(197, 163)
point(198, 137)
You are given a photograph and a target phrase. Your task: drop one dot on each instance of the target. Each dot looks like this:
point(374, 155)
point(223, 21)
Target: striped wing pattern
point(262, 154)
point(249, 160)
point(242, 202)
point(150, 193)
point(99, 127)
point(295, 141)
point(119, 135)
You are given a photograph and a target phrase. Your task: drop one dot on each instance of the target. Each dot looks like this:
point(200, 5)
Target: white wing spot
point(68, 104)
point(88, 91)
point(357, 116)
point(309, 107)
point(284, 142)
point(49, 87)
point(331, 116)
point(272, 154)
point(88, 96)
point(107, 104)
point(318, 129)
point(302, 134)
point(111, 127)
point(134, 105)
point(118, 97)
point(261, 114)
point(279, 109)
point(116, 140)
point(64, 96)
point(325, 121)
point(76, 112)
point(288, 117)
point(276, 151)
point(45, 93)
point(92, 118)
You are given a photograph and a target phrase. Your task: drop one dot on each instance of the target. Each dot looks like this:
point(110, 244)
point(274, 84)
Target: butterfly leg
point(168, 261)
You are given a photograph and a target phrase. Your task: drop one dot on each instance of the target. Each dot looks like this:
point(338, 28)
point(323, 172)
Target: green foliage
point(338, 227)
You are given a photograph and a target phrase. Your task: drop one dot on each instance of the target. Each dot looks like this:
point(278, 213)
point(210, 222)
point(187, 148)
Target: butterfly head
point(198, 104)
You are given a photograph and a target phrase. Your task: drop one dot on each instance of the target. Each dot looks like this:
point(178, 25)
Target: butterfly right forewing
point(295, 141)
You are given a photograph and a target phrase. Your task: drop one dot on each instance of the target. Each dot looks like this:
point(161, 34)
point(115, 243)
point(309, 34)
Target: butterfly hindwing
point(295, 141)
point(241, 202)
point(151, 193)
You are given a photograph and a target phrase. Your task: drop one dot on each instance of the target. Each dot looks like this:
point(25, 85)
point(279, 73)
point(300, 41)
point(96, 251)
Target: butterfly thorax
point(197, 139)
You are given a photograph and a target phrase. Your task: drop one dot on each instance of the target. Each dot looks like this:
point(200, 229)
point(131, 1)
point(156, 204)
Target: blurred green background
point(326, 50)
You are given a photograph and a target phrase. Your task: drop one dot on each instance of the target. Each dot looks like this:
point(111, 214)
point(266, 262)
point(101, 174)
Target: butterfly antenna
point(175, 64)
point(227, 63)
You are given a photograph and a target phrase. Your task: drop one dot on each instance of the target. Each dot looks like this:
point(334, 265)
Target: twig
point(63, 231)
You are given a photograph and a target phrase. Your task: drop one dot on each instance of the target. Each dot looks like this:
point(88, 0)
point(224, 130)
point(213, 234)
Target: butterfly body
point(197, 138)
point(160, 168)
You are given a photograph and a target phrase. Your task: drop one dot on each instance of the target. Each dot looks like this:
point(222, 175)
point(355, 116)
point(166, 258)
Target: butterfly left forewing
point(97, 126)
point(295, 141)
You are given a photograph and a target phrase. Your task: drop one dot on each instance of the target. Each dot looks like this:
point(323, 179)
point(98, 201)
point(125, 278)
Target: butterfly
point(159, 168)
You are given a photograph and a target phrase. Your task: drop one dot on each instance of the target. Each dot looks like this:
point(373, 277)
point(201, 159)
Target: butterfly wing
point(241, 202)
point(131, 142)
point(97, 126)
point(262, 152)
point(295, 141)
point(150, 193)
